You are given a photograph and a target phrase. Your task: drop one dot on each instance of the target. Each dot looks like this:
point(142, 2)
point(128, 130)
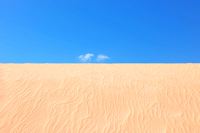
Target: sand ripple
point(99, 98)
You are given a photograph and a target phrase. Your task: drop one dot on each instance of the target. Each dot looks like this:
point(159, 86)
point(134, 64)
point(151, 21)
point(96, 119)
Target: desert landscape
point(99, 98)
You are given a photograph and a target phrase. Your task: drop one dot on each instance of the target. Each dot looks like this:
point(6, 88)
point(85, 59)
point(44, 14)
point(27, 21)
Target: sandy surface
point(99, 98)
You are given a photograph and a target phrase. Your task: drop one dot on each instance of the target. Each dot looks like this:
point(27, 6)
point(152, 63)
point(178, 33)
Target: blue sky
point(113, 31)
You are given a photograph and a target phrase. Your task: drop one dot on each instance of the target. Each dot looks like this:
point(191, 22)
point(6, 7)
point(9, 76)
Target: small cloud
point(86, 57)
point(102, 57)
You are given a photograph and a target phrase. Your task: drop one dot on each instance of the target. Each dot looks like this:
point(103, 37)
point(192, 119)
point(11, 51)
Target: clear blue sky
point(128, 31)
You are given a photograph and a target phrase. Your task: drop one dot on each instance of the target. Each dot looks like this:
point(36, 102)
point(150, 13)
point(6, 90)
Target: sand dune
point(47, 98)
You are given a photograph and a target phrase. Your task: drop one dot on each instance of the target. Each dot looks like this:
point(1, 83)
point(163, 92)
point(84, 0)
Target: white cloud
point(102, 57)
point(86, 57)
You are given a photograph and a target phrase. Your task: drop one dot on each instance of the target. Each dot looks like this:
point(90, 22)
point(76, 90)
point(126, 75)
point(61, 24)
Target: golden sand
point(112, 98)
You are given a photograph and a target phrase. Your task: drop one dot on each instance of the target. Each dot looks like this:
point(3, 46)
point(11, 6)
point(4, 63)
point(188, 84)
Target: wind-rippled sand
point(91, 98)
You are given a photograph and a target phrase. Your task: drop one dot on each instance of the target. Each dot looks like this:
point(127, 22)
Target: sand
point(99, 98)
